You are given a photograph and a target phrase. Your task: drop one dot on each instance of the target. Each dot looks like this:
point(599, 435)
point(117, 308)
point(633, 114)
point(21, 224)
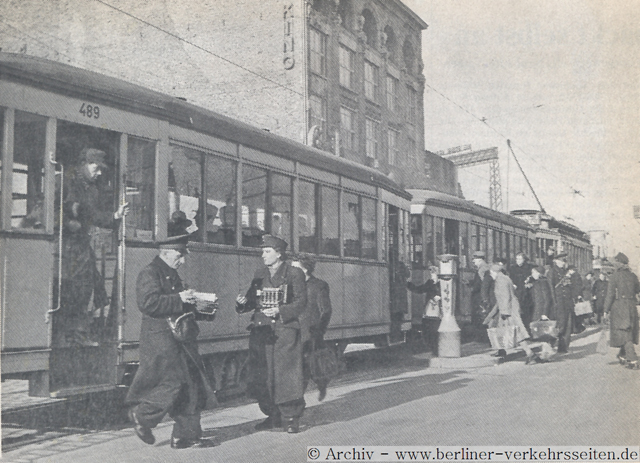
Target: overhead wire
point(199, 47)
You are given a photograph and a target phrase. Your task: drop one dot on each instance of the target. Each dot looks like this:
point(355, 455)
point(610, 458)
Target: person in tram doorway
point(506, 312)
point(433, 309)
point(398, 300)
point(83, 208)
point(314, 320)
point(171, 378)
point(620, 310)
point(599, 294)
point(277, 297)
point(566, 291)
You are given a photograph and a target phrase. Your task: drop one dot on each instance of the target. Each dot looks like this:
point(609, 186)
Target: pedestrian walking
point(543, 308)
point(171, 378)
point(314, 320)
point(433, 308)
point(566, 291)
point(277, 298)
point(519, 274)
point(479, 300)
point(599, 294)
point(83, 209)
point(506, 312)
point(620, 309)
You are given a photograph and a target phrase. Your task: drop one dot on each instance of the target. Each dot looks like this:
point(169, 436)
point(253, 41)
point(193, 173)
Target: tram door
point(84, 314)
point(398, 274)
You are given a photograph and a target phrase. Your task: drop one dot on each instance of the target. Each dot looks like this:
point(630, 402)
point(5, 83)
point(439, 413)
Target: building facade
point(342, 75)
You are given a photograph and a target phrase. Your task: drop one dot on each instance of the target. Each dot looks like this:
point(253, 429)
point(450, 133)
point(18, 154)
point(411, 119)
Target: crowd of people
point(537, 308)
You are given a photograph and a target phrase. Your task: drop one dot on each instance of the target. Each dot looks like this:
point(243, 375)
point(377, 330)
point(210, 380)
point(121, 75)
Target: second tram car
point(234, 181)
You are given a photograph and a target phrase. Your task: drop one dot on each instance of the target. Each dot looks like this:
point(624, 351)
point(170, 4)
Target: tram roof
point(423, 198)
point(75, 82)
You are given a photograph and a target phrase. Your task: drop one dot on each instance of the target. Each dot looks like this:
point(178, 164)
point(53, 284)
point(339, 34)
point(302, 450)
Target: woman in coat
point(506, 312)
point(620, 303)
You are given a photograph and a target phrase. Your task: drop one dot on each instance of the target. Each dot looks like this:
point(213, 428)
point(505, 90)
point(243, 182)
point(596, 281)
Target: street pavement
point(581, 398)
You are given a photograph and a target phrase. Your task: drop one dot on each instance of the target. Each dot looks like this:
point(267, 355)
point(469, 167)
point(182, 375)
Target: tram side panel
point(26, 271)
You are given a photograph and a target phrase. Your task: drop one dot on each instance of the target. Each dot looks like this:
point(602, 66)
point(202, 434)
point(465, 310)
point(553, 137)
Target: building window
point(370, 81)
point(411, 151)
point(371, 130)
point(392, 93)
point(347, 129)
point(412, 106)
point(317, 112)
point(392, 146)
point(317, 51)
point(347, 59)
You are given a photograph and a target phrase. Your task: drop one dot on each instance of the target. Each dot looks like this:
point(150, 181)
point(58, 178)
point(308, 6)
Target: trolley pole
point(449, 332)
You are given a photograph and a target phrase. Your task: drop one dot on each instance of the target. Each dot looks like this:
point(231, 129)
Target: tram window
point(329, 222)
point(220, 207)
point(27, 207)
point(351, 224)
point(491, 243)
point(2, 110)
point(307, 194)
point(439, 235)
point(416, 240)
point(464, 244)
point(483, 239)
point(280, 209)
point(141, 163)
point(369, 247)
point(185, 188)
point(428, 240)
point(254, 202)
point(384, 223)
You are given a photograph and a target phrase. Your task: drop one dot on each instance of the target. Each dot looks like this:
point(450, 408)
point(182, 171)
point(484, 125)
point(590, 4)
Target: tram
point(445, 224)
point(234, 181)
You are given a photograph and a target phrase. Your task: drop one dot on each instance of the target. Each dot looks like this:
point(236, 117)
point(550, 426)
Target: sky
point(561, 80)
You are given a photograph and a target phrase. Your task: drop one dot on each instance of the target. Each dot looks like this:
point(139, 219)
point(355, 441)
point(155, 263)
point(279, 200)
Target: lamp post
point(449, 331)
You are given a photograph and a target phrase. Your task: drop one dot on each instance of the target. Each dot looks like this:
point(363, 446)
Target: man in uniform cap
point(620, 309)
point(84, 208)
point(171, 378)
point(275, 349)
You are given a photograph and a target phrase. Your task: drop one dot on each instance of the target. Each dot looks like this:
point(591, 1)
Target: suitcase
point(583, 308)
point(544, 329)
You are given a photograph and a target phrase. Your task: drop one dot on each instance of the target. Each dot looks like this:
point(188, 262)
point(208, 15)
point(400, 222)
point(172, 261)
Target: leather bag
point(323, 364)
point(184, 328)
point(583, 308)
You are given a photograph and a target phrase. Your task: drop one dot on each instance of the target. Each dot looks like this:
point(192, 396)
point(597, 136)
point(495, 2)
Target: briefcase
point(502, 337)
point(544, 328)
point(583, 308)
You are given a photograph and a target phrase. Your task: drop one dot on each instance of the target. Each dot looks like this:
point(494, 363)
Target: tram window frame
point(368, 233)
point(274, 191)
point(417, 248)
point(351, 247)
point(28, 168)
point(251, 221)
point(138, 187)
point(330, 212)
point(429, 240)
point(193, 164)
point(308, 216)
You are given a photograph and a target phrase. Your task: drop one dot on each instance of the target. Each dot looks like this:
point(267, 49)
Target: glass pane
point(220, 225)
point(439, 227)
point(307, 216)
point(185, 191)
point(383, 230)
point(1, 144)
point(369, 229)
point(281, 207)
point(351, 224)
point(254, 201)
point(140, 191)
point(330, 231)
point(27, 207)
point(429, 241)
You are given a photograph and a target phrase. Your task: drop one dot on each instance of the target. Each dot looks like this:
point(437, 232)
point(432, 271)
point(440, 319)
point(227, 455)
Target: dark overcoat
point(164, 362)
point(316, 316)
point(542, 295)
point(621, 302)
point(276, 342)
point(600, 292)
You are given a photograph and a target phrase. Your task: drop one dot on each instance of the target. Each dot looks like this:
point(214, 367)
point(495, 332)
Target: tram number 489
point(90, 111)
